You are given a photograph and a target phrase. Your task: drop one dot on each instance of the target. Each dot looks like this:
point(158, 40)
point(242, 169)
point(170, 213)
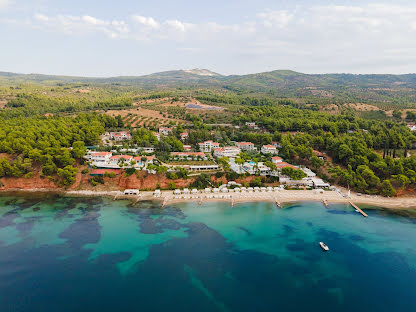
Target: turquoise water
point(94, 254)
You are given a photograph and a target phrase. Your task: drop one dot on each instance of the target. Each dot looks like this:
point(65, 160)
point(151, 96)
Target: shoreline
point(277, 197)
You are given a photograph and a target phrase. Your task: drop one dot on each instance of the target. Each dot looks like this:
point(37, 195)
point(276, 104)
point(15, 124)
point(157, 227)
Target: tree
point(316, 162)
point(78, 149)
point(387, 189)
point(68, 174)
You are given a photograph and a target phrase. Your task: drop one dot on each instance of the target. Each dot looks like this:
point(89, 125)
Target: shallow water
point(93, 254)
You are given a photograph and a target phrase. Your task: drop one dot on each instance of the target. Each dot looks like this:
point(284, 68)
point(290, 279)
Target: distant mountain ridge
point(284, 82)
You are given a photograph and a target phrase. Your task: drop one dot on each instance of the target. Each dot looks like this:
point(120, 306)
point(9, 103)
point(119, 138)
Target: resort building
point(101, 172)
point(269, 149)
point(157, 135)
point(116, 159)
point(165, 131)
point(320, 155)
point(276, 144)
point(245, 146)
point(281, 165)
point(208, 146)
point(187, 148)
point(277, 159)
point(184, 136)
point(143, 161)
point(252, 125)
point(188, 155)
point(99, 156)
point(119, 136)
point(228, 151)
point(147, 150)
point(203, 168)
point(412, 127)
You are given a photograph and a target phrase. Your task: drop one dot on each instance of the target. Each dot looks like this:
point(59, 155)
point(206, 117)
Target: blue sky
point(125, 37)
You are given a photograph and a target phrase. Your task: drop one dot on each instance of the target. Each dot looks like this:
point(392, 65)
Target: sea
point(62, 253)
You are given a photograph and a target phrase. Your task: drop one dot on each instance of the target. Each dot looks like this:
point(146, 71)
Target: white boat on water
point(323, 246)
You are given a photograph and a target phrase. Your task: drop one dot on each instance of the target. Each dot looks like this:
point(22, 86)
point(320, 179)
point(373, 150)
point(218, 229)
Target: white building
point(208, 146)
point(245, 146)
point(188, 155)
point(147, 150)
point(184, 136)
point(143, 161)
point(251, 125)
point(412, 127)
point(165, 131)
point(119, 136)
point(277, 159)
point(157, 135)
point(116, 159)
point(228, 151)
point(269, 149)
point(204, 168)
point(99, 156)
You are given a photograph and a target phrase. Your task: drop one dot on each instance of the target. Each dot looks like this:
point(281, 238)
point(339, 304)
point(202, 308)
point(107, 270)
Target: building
point(269, 149)
point(187, 148)
point(412, 127)
point(116, 159)
point(101, 172)
point(208, 146)
point(157, 135)
point(165, 131)
point(245, 146)
point(188, 155)
point(204, 168)
point(281, 165)
point(251, 125)
point(99, 156)
point(184, 136)
point(320, 155)
point(143, 161)
point(119, 136)
point(277, 144)
point(228, 151)
point(147, 150)
point(277, 159)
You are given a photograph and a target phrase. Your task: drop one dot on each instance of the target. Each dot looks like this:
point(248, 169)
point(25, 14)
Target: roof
point(245, 143)
point(121, 156)
point(277, 158)
point(101, 154)
point(102, 171)
point(284, 165)
point(269, 146)
point(147, 157)
point(187, 154)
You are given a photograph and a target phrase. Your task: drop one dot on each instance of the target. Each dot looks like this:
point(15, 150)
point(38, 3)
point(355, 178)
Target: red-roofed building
point(118, 158)
point(228, 151)
point(99, 156)
point(188, 155)
point(165, 131)
point(184, 136)
point(269, 149)
point(283, 164)
point(207, 146)
point(277, 159)
point(101, 172)
point(245, 146)
point(120, 136)
point(187, 148)
point(157, 135)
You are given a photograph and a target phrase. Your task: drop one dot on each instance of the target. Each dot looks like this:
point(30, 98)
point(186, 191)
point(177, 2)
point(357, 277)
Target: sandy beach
point(278, 197)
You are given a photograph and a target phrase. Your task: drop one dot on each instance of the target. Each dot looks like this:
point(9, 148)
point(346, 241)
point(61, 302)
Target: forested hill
point(347, 87)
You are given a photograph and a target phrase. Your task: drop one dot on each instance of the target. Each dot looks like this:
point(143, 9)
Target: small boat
point(323, 246)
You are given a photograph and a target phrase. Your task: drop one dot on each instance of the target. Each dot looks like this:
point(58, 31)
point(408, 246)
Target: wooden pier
point(359, 210)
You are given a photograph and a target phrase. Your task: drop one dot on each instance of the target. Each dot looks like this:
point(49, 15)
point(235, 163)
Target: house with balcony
point(269, 149)
point(208, 146)
point(245, 146)
point(227, 151)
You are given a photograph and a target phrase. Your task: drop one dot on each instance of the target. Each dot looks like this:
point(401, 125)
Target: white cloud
point(318, 38)
point(4, 4)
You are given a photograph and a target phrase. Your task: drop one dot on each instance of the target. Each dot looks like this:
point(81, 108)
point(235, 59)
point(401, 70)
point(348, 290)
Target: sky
point(102, 38)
